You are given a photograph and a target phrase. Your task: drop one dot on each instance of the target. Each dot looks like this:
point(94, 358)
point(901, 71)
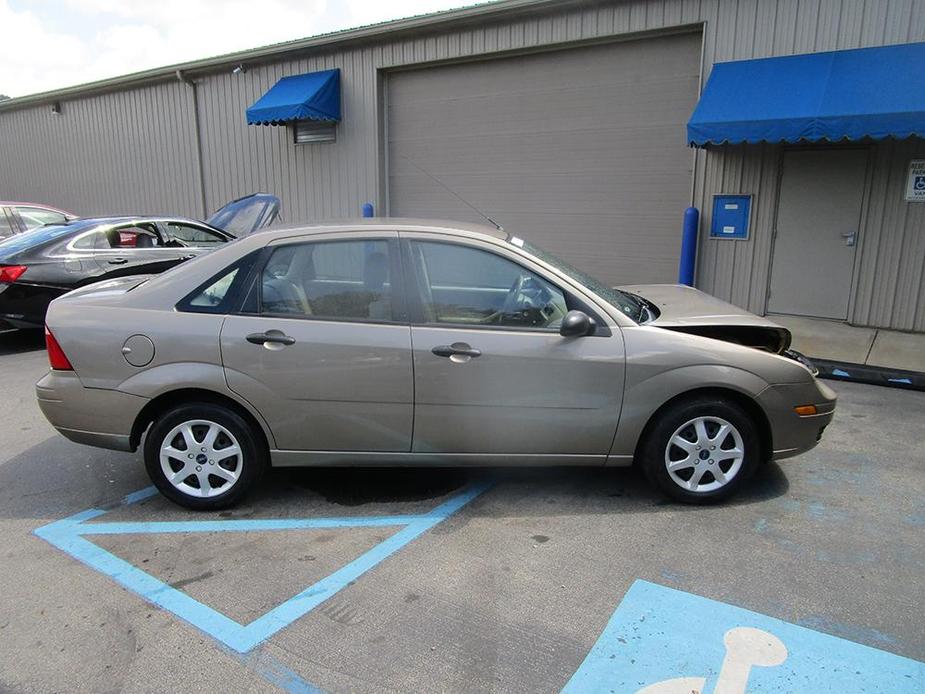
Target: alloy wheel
point(704, 454)
point(201, 458)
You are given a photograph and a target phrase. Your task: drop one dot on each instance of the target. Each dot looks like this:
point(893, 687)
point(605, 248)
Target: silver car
point(409, 342)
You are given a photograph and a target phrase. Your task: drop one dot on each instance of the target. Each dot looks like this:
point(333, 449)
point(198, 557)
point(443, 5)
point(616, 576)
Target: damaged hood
point(685, 309)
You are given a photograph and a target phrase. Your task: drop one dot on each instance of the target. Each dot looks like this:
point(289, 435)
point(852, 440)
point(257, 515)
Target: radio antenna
point(453, 193)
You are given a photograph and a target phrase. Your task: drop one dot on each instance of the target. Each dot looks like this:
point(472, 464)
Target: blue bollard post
point(688, 247)
point(367, 209)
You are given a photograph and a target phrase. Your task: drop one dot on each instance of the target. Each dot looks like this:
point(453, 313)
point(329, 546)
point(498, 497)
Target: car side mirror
point(576, 324)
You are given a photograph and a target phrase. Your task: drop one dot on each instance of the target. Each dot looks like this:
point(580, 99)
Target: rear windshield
point(39, 235)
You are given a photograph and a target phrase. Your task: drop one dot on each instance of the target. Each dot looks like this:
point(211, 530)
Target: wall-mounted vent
point(312, 131)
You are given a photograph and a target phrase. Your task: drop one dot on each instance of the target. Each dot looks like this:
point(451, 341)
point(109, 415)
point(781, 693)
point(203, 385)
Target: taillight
point(11, 273)
point(56, 356)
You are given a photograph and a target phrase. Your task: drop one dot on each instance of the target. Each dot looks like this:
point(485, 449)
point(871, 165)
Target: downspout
point(204, 211)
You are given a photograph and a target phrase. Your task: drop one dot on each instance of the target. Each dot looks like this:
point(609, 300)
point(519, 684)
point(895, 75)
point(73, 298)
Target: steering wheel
point(529, 288)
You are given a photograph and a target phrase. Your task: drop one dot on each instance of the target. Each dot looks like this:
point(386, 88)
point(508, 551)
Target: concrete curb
point(865, 373)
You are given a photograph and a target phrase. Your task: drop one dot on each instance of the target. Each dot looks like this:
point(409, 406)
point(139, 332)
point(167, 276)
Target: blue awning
point(312, 96)
point(840, 95)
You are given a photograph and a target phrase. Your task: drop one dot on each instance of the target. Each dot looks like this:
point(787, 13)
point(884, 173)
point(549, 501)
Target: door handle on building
point(850, 237)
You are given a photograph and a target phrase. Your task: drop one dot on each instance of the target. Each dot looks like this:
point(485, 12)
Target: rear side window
point(347, 280)
point(128, 236)
point(221, 292)
point(37, 216)
point(6, 226)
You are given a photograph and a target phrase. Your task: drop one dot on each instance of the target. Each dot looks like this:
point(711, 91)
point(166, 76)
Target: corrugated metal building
point(565, 121)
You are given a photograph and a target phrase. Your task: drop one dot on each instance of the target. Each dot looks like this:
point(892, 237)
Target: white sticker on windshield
point(517, 242)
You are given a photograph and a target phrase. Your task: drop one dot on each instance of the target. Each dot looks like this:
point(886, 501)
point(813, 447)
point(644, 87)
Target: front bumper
point(91, 416)
point(792, 434)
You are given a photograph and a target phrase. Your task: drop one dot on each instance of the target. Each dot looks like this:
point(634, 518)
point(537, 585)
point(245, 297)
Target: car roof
point(467, 229)
point(85, 222)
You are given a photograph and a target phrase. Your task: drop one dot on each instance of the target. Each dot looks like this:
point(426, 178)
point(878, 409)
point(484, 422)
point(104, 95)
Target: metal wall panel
point(123, 152)
point(134, 149)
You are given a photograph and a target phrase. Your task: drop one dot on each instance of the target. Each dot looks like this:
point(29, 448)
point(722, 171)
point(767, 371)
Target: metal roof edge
point(267, 53)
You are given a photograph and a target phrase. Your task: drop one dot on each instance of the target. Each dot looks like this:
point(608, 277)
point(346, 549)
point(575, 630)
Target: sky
point(48, 44)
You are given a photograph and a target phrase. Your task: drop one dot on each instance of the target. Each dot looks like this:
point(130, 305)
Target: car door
point(323, 346)
point(493, 378)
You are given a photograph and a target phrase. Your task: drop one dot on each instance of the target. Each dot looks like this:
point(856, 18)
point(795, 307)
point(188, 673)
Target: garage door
point(581, 151)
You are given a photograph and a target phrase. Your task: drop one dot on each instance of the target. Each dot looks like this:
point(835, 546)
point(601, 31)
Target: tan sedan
point(408, 342)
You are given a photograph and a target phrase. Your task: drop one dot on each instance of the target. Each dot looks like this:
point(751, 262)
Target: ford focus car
point(403, 342)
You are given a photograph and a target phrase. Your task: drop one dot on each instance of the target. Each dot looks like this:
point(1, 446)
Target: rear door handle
point(271, 336)
point(460, 349)
point(118, 261)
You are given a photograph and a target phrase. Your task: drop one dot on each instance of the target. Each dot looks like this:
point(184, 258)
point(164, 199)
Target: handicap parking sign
point(665, 641)
point(915, 184)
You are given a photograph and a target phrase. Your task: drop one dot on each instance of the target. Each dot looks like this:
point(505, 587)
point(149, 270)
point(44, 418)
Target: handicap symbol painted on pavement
point(665, 641)
point(71, 535)
point(919, 183)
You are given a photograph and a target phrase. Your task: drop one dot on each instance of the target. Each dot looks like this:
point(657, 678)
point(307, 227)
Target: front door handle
point(188, 257)
point(118, 261)
point(457, 349)
point(273, 337)
point(849, 237)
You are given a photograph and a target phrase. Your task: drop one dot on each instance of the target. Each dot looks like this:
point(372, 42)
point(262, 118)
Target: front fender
point(644, 397)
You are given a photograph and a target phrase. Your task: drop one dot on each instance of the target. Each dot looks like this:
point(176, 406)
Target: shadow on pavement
point(56, 478)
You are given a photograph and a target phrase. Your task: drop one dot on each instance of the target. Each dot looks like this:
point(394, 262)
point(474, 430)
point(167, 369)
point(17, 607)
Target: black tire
point(655, 453)
point(248, 466)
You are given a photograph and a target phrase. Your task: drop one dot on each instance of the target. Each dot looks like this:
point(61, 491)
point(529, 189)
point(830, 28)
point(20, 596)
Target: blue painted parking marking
point(70, 535)
point(665, 641)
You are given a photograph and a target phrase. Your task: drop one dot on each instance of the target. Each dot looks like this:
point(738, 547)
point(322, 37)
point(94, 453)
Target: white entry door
point(818, 220)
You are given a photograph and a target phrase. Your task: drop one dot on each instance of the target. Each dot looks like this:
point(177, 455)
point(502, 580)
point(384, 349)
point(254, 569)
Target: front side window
point(179, 234)
point(36, 216)
point(468, 286)
point(346, 280)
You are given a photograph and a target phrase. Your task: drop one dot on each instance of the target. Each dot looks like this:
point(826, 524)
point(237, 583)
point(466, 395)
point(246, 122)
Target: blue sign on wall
point(664, 641)
point(730, 216)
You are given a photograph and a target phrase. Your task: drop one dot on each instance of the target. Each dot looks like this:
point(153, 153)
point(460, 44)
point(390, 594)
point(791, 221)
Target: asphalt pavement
point(442, 580)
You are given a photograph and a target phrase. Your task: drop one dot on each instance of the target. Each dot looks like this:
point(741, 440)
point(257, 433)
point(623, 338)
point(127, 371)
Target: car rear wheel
point(203, 456)
point(701, 450)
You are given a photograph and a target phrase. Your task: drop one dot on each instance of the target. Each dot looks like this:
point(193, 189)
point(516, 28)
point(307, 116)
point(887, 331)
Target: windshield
point(246, 215)
point(629, 304)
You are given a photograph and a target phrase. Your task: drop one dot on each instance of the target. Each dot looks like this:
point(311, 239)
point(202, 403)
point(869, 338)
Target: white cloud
point(48, 44)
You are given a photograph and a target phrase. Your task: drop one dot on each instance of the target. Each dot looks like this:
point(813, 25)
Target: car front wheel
point(701, 450)
point(203, 456)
